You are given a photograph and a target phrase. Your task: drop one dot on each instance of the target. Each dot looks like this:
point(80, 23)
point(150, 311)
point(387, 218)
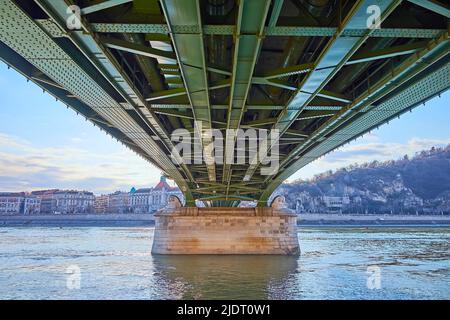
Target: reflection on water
point(222, 277)
point(116, 263)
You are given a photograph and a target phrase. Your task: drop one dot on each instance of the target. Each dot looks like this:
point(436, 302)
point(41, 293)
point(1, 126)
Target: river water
point(115, 263)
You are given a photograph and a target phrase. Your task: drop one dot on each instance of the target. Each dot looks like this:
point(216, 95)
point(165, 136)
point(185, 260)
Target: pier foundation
point(219, 230)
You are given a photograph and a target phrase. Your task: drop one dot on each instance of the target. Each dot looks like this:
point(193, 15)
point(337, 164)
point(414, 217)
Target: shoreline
point(147, 220)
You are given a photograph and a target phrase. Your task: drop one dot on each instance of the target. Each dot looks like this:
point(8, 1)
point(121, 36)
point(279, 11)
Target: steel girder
point(137, 48)
point(103, 5)
point(387, 53)
point(269, 78)
point(88, 82)
point(336, 54)
point(248, 39)
point(141, 126)
point(190, 52)
point(12, 59)
point(274, 31)
point(95, 51)
point(413, 85)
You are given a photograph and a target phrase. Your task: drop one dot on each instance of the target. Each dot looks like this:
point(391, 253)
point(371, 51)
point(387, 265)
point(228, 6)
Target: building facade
point(160, 194)
point(19, 203)
point(335, 204)
point(11, 203)
point(148, 200)
point(101, 204)
point(68, 202)
point(48, 201)
point(119, 202)
point(55, 201)
point(31, 205)
point(139, 200)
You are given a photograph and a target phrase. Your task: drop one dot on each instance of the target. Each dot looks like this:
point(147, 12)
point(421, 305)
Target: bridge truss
point(314, 70)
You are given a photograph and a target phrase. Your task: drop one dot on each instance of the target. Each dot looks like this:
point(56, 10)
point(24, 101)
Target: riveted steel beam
point(166, 94)
point(261, 122)
point(337, 52)
point(305, 116)
point(433, 5)
point(288, 71)
point(251, 17)
point(247, 107)
point(333, 96)
point(100, 66)
point(190, 52)
point(406, 86)
point(274, 83)
point(103, 5)
point(219, 71)
point(389, 52)
point(175, 114)
point(315, 114)
point(270, 31)
point(267, 106)
point(353, 32)
point(46, 81)
point(224, 197)
point(15, 61)
point(106, 82)
point(170, 93)
point(385, 53)
point(135, 48)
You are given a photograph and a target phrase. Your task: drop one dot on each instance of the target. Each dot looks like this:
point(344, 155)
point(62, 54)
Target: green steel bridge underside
point(313, 69)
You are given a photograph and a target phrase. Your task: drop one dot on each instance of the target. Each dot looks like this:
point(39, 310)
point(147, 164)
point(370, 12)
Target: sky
point(45, 145)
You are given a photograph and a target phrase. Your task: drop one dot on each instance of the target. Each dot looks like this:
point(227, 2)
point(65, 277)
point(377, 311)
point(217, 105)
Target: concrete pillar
point(186, 230)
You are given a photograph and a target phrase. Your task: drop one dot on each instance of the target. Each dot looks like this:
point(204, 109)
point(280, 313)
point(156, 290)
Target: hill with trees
point(417, 185)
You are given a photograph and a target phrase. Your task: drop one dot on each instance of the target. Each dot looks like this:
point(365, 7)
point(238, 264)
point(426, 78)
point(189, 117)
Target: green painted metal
point(387, 53)
point(288, 71)
point(152, 67)
point(333, 96)
point(166, 94)
point(279, 31)
point(102, 6)
point(137, 49)
point(372, 116)
point(252, 15)
point(337, 52)
point(191, 59)
point(111, 70)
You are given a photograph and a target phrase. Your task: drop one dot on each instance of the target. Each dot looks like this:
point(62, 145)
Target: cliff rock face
point(420, 185)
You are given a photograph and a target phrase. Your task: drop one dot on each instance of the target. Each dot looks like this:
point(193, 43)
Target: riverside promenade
point(78, 220)
point(144, 220)
point(372, 220)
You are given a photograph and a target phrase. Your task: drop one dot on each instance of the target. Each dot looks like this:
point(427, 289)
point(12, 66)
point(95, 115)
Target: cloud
point(24, 167)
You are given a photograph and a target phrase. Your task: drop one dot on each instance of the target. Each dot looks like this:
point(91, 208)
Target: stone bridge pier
point(221, 230)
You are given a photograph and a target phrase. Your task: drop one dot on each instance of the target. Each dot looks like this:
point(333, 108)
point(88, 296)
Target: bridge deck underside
point(321, 75)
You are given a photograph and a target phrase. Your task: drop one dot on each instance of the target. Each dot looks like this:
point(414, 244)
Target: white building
point(47, 199)
point(336, 203)
point(19, 203)
point(73, 201)
point(160, 194)
point(147, 200)
point(31, 205)
point(11, 203)
point(139, 200)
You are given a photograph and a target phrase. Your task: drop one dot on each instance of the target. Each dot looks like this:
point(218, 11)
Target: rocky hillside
point(420, 185)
